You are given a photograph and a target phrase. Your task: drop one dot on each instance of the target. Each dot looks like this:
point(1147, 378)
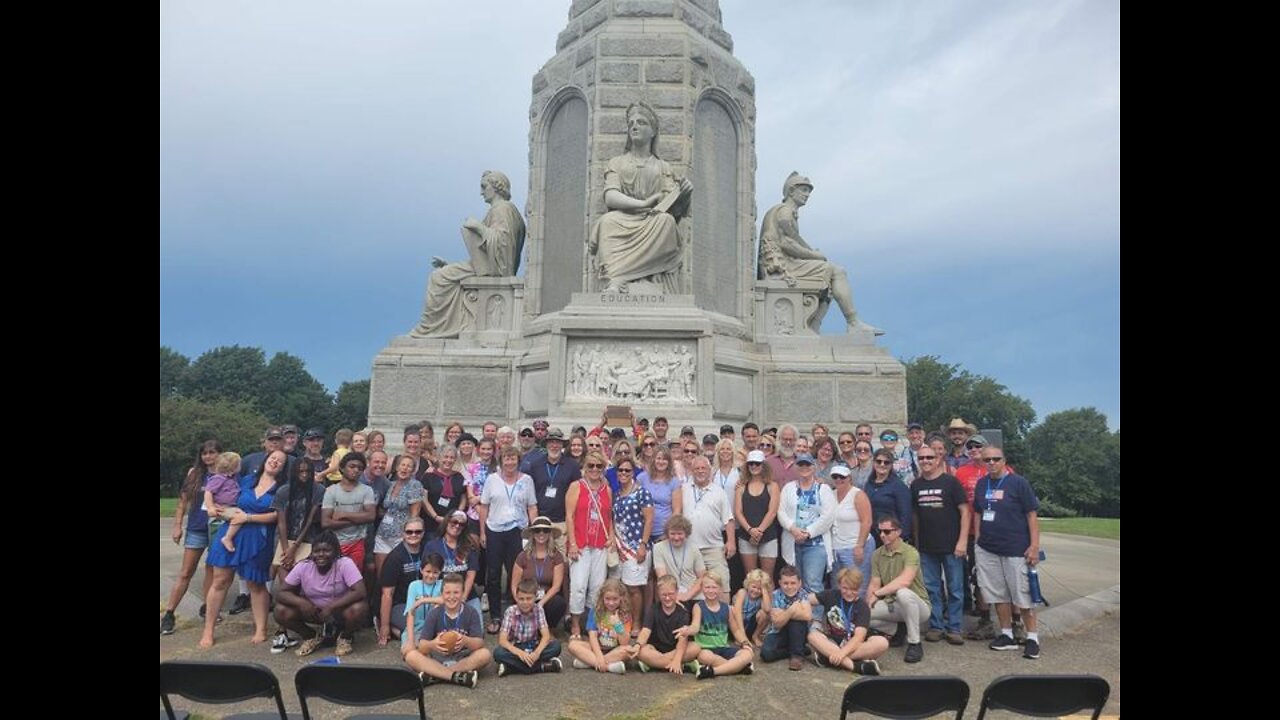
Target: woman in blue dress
point(255, 546)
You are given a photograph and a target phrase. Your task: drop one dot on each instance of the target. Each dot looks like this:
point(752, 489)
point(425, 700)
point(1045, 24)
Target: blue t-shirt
point(782, 602)
point(418, 589)
point(1006, 502)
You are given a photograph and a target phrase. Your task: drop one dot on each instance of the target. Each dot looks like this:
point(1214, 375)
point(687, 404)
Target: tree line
point(233, 393)
point(1071, 458)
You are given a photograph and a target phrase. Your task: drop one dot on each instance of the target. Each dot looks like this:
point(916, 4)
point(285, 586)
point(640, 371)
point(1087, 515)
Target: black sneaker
point(553, 665)
point(467, 679)
point(915, 653)
point(240, 605)
point(426, 679)
point(706, 672)
point(867, 667)
point(749, 669)
point(167, 623)
point(1003, 642)
point(1031, 650)
point(899, 636)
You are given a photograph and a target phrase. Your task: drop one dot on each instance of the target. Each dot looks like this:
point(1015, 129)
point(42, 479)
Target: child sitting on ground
point(609, 625)
point(713, 623)
point(525, 645)
point(665, 642)
point(752, 603)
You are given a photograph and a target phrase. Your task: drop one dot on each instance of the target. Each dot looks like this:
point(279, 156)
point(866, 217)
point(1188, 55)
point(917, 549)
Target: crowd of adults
point(652, 549)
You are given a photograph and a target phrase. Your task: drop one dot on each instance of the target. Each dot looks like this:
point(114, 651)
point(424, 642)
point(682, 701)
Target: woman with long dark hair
point(191, 520)
point(254, 547)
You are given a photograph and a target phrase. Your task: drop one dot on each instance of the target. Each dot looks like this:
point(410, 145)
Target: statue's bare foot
point(858, 325)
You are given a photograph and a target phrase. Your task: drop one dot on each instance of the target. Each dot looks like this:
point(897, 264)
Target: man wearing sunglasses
point(897, 594)
point(941, 531)
point(1008, 545)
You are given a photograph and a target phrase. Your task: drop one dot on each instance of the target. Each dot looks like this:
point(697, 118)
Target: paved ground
point(1085, 638)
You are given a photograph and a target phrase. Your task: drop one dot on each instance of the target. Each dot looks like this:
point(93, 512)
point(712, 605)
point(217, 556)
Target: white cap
point(840, 470)
point(755, 456)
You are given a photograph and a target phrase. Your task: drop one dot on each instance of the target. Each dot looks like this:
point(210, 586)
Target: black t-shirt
point(937, 504)
point(296, 510)
point(662, 627)
point(558, 476)
point(441, 504)
point(399, 569)
point(841, 617)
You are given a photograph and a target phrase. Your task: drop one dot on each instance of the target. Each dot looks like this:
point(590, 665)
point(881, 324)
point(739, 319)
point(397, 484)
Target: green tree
point(290, 394)
point(226, 373)
point(1074, 461)
point(351, 406)
point(938, 392)
point(172, 367)
point(186, 422)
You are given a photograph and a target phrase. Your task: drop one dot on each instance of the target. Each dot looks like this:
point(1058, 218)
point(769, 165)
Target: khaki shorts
point(1003, 579)
point(304, 552)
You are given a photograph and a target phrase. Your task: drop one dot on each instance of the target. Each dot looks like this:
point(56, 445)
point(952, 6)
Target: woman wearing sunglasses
point(543, 563)
point(888, 494)
point(589, 530)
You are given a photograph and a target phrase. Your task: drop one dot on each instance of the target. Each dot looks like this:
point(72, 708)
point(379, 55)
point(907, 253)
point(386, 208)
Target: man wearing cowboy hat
point(959, 432)
point(552, 474)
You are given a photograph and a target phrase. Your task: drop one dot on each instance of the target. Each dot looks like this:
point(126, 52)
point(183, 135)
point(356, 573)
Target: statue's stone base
point(659, 354)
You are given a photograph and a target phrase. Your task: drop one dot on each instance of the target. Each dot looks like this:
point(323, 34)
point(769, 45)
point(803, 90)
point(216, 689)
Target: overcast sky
point(966, 157)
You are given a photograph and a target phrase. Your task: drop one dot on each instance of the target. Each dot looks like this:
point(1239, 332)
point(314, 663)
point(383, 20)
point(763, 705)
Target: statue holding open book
point(637, 241)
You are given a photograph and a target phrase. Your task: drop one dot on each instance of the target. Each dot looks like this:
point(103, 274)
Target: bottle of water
point(1033, 585)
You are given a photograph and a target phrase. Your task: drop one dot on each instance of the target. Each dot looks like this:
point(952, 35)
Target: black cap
point(710, 439)
point(289, 429)
point(914, 426)
point(688, 430)
point(274, 433)
point(617, 433)
point(313, 433)
point(467, 437)
point(526, 432)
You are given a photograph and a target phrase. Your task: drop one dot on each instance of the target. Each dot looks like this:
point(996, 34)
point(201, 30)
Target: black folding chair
point(906, 697)
point(1046, 695)
point(219, 683)
point(360, 685)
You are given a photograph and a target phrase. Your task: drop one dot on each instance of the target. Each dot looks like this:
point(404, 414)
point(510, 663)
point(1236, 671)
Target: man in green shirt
point(896, 593)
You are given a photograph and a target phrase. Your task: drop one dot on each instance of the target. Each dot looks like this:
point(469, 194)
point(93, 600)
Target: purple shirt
point(226, 490)
point(323, 589)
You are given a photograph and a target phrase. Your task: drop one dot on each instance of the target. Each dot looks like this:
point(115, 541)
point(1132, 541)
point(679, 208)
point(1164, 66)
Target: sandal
point(492, 628)
point(309, 645)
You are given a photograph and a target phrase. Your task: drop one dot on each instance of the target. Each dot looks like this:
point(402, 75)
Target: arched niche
point(564, 196)
point(716, 214)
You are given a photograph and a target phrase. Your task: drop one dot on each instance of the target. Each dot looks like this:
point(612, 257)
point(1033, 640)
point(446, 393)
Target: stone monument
point(641, 284)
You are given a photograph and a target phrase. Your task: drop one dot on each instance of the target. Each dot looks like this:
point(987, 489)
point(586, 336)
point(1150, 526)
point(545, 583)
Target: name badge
point(541, 593)
point(989, 516)
point(551, 491)
point(442, 501)
point(998, 495)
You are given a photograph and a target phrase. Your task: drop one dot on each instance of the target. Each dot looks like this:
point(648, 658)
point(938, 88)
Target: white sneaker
point(579, 665)
point(280, 643)
point(617, 667)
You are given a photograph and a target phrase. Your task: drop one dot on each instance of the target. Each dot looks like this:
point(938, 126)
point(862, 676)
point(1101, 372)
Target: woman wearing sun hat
point(542, 562)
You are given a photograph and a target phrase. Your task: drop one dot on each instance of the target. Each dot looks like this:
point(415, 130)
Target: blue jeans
point(933, 566)
point(788, 641)
point(844, 559)
point(515, 664)
point(811, 561)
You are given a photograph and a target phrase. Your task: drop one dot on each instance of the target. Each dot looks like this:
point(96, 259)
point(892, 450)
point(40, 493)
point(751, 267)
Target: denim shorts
point(196, 539)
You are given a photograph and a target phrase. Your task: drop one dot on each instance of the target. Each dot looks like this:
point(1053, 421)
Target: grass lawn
point(1092, 527)
point(168, 505)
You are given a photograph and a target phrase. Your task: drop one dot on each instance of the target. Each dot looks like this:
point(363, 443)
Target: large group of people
point(639, 549)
